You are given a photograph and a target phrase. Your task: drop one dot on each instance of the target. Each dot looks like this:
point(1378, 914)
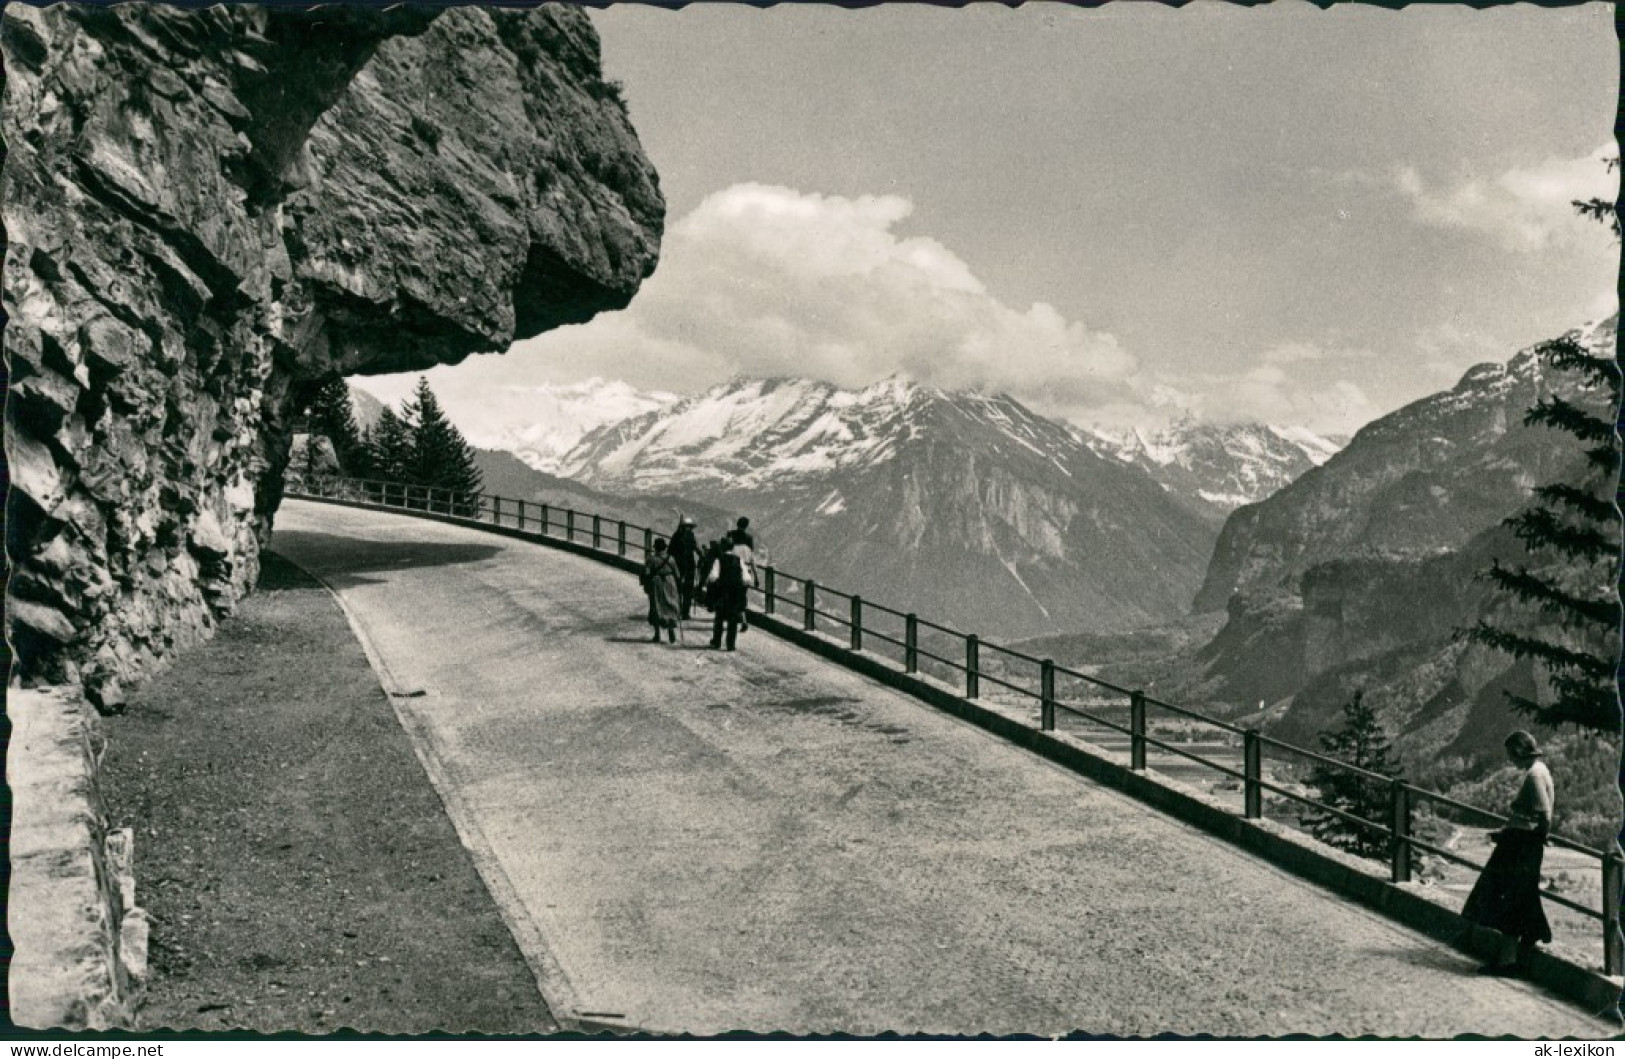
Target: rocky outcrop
point(210, 212)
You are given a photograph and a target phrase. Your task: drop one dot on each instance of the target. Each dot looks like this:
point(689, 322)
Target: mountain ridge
point(963, 505)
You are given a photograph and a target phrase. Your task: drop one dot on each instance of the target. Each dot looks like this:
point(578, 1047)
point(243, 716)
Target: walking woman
point(659, 581)
point(1507, 896)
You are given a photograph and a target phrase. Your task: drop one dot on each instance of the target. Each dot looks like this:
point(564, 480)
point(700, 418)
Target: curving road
point(685, 840)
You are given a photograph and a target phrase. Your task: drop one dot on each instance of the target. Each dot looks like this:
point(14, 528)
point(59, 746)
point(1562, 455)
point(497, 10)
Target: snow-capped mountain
point(560, 415)
point(958, 505)
point(746, 434)
point(1221, 465)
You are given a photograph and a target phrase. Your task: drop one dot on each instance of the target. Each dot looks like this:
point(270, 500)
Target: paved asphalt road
point(687, 840)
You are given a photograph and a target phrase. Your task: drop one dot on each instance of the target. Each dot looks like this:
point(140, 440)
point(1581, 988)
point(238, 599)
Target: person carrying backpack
point(685, 550)
point(732, 573)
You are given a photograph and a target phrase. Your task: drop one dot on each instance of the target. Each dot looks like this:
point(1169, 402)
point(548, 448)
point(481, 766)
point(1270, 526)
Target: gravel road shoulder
point(299, 868)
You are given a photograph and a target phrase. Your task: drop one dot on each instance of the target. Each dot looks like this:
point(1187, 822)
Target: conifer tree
point(390, 445)
point(331, 416)
point(1362, 742)
point(1569, 588)
point(441, 457)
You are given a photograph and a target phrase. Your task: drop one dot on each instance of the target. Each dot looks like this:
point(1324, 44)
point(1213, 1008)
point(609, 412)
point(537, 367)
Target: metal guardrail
point(856, 623)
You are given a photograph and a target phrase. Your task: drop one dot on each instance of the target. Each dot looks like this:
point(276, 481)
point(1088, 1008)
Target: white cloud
point(1526, 208)
point(1445, 351)
point(1292, 393)
point(761, 280)
point(1292, 353)
point(767, 280)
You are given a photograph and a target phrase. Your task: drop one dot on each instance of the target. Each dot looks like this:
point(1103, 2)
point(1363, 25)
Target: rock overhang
point(209, 210)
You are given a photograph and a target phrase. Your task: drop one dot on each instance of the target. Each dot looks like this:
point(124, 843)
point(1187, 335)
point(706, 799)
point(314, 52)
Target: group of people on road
point(719, 576)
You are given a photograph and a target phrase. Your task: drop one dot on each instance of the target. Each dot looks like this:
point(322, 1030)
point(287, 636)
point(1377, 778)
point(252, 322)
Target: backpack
point(730, 570)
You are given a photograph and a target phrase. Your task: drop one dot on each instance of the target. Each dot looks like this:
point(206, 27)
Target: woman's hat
point(1523, 744)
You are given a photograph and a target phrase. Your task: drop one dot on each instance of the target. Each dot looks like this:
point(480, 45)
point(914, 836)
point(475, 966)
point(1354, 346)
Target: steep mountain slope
point(1357, 576)
point(1430, 475)
point(366, 408)
point(1217, 467)
point(966, 508)
point(507, 476)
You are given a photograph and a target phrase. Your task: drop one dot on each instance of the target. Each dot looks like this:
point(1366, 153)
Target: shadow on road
point(348, 559)
point(1435, 959)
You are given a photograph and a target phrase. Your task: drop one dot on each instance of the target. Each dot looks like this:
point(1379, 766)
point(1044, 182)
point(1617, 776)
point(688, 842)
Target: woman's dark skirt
point(1507, 896)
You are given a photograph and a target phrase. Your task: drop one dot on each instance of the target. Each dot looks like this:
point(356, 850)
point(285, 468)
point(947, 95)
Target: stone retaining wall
point(80, 940)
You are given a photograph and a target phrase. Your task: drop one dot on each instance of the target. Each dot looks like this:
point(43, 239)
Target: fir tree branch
point(1541, 530)
point(1600, 210)
point(1583, 502)
point(1575, 611)
point(1561, 414)
point(1554, 657)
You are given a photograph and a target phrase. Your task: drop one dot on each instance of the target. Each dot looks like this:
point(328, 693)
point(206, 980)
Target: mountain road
point(687, 840)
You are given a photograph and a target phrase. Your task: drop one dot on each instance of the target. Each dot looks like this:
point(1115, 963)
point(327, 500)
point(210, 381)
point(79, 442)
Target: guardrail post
point(857, 623)
point(1399, 823)
point(546, 518)
point(520, 518)
point(496, 510)
point(809, 597)
point(1136, 731)
point(620, 538)
point(596, 534)
point(570, 524)
point(769, 591)
point(1613, 945)
point(1252, 764)
point(648, 542)
point(973, 667)
point(1046, 695)
point(911, 644)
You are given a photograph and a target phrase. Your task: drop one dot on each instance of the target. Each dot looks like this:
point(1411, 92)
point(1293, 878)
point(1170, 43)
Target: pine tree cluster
point(417, 447)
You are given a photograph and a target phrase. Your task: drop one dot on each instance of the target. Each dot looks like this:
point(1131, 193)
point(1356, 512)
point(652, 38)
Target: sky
point(1119, 215)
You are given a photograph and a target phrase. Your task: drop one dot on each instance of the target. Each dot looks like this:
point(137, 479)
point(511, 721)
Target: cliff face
point(1358, 575)
point(208, 212)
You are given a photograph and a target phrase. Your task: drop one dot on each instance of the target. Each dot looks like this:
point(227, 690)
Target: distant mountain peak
point(958, 503)
point(562, 413)
point(1217, 465)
